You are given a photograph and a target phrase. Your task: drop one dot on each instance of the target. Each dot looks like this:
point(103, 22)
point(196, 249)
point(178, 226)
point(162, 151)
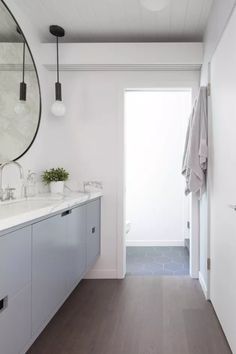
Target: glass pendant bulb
point(58, 108)
point(21, 107)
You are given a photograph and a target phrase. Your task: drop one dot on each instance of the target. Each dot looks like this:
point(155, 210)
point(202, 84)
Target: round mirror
point(20, 99)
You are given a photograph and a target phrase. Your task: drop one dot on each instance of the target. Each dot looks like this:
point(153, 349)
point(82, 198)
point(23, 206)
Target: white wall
point(73, 55)
point(222, 182)
point(96, 107)
point(92, 132)
point(219, 16)
point(88, 141)
point(156, 124)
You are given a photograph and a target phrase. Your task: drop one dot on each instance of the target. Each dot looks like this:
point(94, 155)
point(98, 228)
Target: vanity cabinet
point(64, 248)
point(40, 265)
point(15, 291)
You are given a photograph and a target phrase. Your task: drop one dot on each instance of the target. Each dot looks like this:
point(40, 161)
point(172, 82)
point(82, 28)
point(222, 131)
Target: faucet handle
point(2, 194)
point(10, 193)
point(31, 176)
point(94, 184)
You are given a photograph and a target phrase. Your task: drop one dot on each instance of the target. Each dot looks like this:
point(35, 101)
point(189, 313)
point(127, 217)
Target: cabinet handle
point(67, 212)
point(3, 303)
point(93, 230)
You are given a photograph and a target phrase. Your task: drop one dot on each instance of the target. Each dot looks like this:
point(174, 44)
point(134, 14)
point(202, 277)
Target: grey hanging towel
point(196, 148)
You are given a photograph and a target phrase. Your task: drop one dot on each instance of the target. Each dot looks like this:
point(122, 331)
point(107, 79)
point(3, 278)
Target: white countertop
point(20, 211)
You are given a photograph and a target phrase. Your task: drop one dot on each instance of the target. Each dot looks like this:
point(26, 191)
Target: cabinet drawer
point(15, 261)
point(15, 323)
point(93, 232)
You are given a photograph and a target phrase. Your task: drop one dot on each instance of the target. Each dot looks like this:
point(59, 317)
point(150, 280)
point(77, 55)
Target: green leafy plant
point(55, 175)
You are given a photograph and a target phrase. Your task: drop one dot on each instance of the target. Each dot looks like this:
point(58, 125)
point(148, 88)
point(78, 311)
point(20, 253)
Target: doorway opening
point(157, 211)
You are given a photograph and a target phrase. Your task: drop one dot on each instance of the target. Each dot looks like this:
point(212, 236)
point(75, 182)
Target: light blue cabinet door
point(93, 232)
point(76, 238)
point(49, 266)
point(15, 262)
point(15, 291)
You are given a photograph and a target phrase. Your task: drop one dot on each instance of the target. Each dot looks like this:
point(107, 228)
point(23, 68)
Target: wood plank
point(137, 315)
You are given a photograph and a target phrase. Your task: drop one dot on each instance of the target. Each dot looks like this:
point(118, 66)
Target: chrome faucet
point(95, 184)
point(9, 191)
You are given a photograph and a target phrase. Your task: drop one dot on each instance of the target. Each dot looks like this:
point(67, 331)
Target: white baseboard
point(203, 285)
point(153, 243)
point(101, 274)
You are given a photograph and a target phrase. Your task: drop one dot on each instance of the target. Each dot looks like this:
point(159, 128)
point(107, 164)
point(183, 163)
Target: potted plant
point(55, 177)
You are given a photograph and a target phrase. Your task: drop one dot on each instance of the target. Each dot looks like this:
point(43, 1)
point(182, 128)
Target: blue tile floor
point(157, 261)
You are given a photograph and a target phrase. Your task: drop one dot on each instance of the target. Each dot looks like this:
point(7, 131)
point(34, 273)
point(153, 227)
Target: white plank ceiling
point(119, 20)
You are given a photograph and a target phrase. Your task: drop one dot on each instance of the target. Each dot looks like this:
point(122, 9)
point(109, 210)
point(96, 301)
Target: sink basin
point(20, 211)
point(17, 211)
point(22, 206)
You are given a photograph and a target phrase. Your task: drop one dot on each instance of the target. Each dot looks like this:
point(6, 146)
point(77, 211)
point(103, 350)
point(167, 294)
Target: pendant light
point(20, 107)
point(58, 108)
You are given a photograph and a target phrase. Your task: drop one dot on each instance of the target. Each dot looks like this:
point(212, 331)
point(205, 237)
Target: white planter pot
point(57, 187)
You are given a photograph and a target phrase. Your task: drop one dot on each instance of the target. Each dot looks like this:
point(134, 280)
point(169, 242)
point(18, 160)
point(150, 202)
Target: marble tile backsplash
point(16, 130)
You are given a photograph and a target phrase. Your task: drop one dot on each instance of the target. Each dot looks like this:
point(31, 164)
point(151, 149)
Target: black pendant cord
point(57, 31)
point(57, 61)
point(58, 94)
point(23, 71)
point(23, 87)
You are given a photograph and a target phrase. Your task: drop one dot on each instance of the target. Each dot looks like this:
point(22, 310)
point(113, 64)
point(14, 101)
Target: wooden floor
point(138, 315)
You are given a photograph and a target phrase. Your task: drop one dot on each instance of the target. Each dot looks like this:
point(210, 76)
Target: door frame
point(208, 185)
point(121, 212)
